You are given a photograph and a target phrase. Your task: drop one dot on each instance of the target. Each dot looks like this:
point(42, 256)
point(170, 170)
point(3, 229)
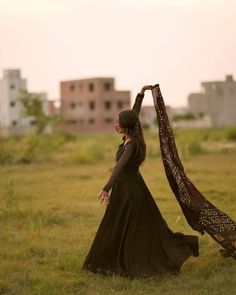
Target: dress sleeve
point(138, 103)
point(123, 160)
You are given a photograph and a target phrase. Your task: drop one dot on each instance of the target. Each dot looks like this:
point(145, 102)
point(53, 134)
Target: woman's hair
point(129, 121)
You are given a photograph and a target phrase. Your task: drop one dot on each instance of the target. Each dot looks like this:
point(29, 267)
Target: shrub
point(7, 153)
point(90, 152)
point(27, 149)
point(187, 116)
point(145, 126)
point(192, 148)
point(38, 148)
point(231, 133)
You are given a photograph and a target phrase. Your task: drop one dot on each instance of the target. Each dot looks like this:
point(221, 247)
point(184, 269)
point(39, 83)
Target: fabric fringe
point(201, 214)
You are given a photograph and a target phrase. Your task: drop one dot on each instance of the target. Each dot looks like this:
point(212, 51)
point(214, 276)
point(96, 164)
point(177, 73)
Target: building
point(11, 120)
point(148, 115)
point(54, 107)
point(91, 104)
point(217, 101)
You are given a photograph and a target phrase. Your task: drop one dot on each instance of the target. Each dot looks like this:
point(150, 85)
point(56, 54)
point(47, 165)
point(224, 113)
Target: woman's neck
point(127, 138)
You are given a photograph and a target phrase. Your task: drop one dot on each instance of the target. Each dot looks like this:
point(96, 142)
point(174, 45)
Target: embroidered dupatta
point(201, 215)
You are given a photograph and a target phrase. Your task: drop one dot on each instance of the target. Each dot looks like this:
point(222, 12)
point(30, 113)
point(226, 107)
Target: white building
point(12, 122)
point(216, 101)
point(148, 115)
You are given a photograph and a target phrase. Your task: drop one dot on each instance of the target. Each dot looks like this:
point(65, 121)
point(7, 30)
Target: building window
point(91, 105)
point(120, 105)
point(107, 105)
point(14, 123)
point(108, 120)
point(72, 87)
point(12, 86)
point(107, 86)
point(33, 122)
point(12, 103)
point(91, 121)
point(71, 121)
point(91, 87)
point(73, 105)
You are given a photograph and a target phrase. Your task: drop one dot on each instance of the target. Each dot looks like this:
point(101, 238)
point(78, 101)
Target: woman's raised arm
point(139, 98)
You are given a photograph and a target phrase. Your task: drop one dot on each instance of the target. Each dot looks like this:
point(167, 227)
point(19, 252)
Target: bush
point(231, 133)
point(90, 152)
point(27, 149)
point(187, 116)
point(7, 153)
point(32, 148)
point(145, 126)
point(193, 148)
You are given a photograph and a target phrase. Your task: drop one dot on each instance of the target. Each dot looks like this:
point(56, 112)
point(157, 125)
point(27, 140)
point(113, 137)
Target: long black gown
point(133, 238)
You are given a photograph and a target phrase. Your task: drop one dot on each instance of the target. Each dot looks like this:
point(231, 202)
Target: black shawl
point(201, 215)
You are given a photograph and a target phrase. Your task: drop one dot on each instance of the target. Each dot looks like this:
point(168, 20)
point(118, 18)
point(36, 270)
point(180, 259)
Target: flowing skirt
point(133, 239)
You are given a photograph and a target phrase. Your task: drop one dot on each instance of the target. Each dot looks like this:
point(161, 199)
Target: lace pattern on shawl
point(199, 212)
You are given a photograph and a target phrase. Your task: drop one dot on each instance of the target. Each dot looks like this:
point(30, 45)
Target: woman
point(133, 239)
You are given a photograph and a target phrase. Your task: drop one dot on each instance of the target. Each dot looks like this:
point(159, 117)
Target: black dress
point(133, 239)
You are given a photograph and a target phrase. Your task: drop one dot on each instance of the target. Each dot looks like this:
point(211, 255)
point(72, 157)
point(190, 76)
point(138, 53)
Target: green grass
point(49, 216)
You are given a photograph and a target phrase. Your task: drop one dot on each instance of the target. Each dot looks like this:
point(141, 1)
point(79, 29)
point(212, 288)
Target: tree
point(33, 107)
point(186, 116)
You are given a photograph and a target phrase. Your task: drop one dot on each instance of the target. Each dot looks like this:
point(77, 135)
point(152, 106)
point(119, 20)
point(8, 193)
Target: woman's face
point(119, 129)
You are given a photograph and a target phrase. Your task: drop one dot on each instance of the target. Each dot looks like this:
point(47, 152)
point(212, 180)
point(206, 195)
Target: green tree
point(33, 106)
point(186, 116)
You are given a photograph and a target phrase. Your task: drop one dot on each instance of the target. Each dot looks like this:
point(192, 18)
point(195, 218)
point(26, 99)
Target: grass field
point(49, 216)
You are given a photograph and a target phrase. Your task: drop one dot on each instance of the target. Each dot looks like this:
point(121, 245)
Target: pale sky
point(177, 43)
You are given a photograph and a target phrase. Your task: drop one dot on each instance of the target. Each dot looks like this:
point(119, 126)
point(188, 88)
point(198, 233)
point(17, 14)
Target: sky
point(176, 43)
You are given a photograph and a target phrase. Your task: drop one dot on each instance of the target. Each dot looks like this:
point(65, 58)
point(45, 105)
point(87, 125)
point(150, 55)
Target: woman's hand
point(104, 197)
point(144, 88)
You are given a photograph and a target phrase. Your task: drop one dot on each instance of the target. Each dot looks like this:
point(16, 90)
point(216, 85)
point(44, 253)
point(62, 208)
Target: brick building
point(91, 104)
